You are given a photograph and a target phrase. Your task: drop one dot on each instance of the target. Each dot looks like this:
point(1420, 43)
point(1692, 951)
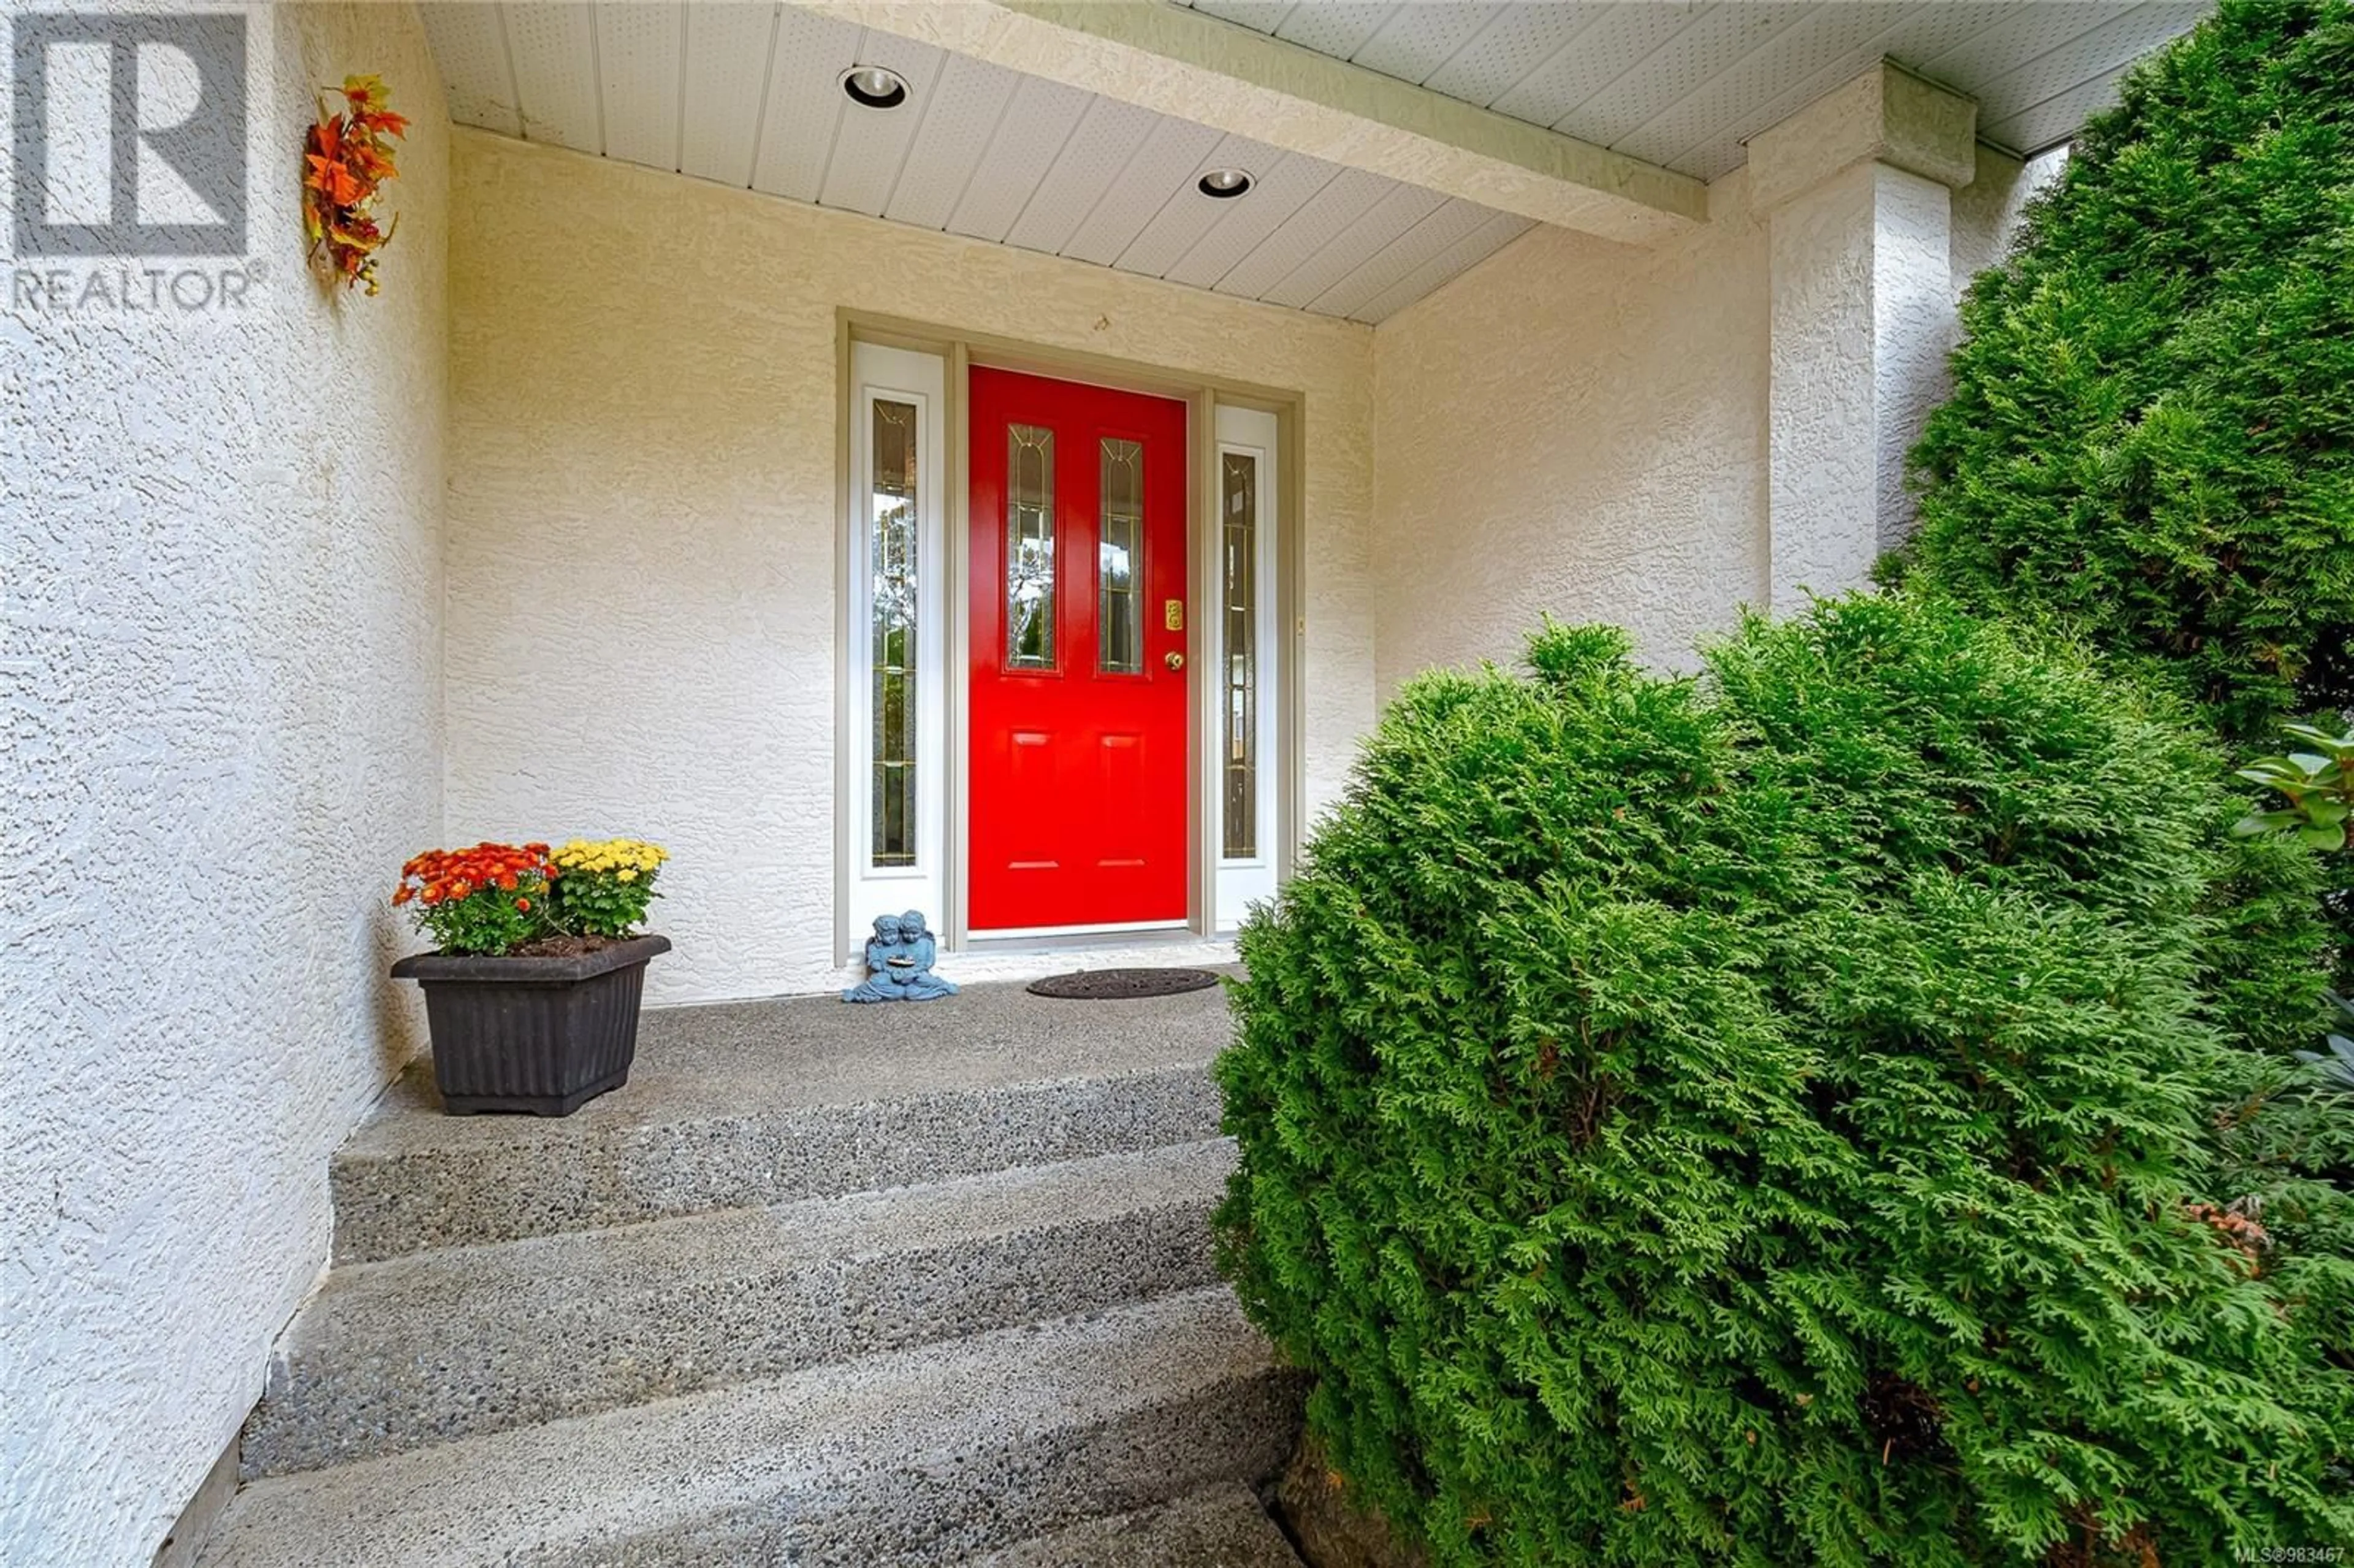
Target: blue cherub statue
point(880, 984)
point(917, 982)
point(899, 959)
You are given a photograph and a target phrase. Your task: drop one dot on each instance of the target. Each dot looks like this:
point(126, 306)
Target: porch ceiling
point(1684, 84)
point(747, 94)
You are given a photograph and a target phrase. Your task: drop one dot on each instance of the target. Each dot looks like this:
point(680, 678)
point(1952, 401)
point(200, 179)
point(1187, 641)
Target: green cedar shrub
point(1758, 1119)
point(2151, 434)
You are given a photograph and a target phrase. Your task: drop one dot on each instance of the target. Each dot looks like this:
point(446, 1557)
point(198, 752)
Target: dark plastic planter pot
point(542, 1035)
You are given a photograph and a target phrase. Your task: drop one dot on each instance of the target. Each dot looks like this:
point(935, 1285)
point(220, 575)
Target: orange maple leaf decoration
point(346, 157)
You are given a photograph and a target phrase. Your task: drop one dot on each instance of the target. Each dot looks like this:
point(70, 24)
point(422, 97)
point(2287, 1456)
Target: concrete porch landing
point(897, 1286)
point(766, 1102)
point(745, 1057)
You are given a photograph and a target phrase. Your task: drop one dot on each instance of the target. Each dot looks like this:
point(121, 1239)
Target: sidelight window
point(1238, 601)
point(893, 563)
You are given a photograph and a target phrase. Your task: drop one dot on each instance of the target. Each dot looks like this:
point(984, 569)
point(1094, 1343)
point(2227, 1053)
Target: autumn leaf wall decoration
point(348, 157)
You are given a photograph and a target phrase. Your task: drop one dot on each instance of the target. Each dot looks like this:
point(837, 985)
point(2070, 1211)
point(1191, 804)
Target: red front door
point(1078, 644)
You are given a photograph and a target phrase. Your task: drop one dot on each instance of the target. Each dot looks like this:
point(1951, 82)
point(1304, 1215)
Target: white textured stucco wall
point(220, 733)
point(1862, 322)
point(1581, 429)
point(1987, 211)
point(643, 515)
point(1576, 427)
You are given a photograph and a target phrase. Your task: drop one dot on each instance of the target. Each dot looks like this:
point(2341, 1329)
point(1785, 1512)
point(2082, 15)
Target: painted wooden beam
point(1179, 62)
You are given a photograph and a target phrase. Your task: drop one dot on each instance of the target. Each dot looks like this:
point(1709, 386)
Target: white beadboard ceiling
point(747, 95)
point(1685, 83)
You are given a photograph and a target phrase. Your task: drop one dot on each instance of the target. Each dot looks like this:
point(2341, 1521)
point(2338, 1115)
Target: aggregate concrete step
point(759, 1103)
point(911, 1458)
point(1224, 1527)
point(460, 1341)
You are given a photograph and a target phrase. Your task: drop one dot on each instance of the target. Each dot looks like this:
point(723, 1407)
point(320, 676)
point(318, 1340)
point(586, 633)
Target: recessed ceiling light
point(1224, 183)
point(874, 87)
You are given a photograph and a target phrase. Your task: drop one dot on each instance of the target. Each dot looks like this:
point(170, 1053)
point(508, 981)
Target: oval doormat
point(1122, 985)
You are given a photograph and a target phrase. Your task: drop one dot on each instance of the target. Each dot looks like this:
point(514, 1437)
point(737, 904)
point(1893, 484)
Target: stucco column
point(1858, 189)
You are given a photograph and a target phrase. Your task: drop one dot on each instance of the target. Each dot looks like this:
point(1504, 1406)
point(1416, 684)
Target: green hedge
point(1759, 1119)
point(2152, 428)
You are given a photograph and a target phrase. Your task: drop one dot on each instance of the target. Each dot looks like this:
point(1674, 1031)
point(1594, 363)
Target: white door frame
point(907, 379)
point(1247, 417)
point(1249, 436)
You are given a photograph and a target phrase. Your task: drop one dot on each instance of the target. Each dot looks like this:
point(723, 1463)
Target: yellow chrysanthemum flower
point(614, 856)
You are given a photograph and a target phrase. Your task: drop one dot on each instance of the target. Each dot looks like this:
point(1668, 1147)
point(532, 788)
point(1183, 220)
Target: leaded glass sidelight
point(892, 573)
point(1238, 598)
point(1029, 547)
point(1119, 629)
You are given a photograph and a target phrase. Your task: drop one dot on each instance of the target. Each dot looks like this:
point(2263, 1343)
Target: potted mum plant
point(532, 992)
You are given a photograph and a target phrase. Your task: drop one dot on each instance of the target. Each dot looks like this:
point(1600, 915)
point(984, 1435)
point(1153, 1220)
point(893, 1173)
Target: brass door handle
point(1173, 660)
